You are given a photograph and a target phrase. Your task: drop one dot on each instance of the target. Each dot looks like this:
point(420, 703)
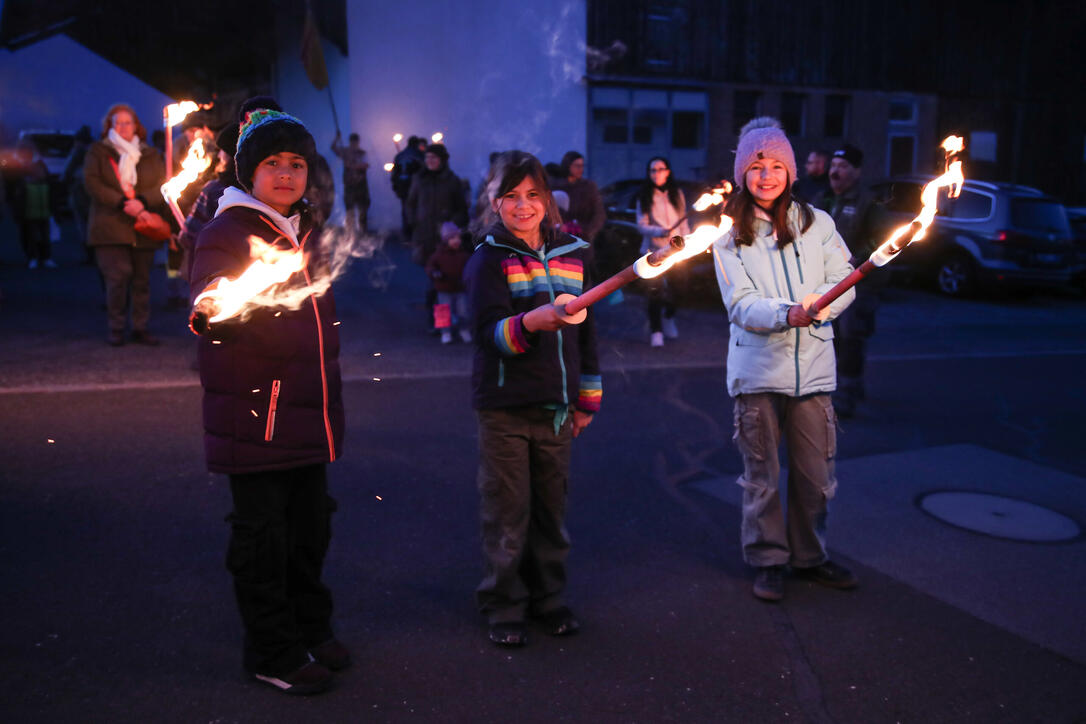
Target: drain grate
point(998, 516)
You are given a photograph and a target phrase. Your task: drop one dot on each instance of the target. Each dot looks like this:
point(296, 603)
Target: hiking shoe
point(829, 574)
point(769, 583)
point(115, 339)
point(311, 678)
point(509, 633)
point(669, 328)
point(465, 335)
point(656, 339)
point(446, 337)
point(560, 622)
point(332, 655)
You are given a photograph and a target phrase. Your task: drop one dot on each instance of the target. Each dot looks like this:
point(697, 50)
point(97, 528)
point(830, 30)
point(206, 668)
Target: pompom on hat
point(265, 132)
point(763, 138)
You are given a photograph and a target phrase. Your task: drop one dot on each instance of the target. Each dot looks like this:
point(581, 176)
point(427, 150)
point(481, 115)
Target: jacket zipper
point(324, 376)
point(792, 296)
point(561, 358)
point(273, 403)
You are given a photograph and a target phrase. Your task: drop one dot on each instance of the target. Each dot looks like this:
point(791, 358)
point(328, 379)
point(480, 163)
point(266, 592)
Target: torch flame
point(714, 197)
point(929, 197)
point(389, 167)
point(697, 242)
point(195, 163)
point(271, 266)
point(176, 112)
point(437, 137)
point(396, 138)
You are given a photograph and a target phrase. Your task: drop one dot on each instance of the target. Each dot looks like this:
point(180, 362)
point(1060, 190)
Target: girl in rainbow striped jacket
point(536, 386)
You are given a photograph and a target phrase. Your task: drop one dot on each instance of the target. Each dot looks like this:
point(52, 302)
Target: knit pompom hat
point(266, 132)
point(763, 138)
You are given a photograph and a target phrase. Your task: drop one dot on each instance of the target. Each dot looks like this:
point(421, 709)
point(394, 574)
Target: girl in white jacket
point(780, 256)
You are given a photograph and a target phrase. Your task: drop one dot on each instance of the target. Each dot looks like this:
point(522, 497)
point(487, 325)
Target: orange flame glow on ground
point(271, 266)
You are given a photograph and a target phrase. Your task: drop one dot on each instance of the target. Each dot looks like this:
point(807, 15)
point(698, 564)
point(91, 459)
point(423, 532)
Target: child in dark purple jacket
point(273, 412)
point(536, 386)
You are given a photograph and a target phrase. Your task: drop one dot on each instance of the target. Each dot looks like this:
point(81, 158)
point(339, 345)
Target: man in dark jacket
point(405, 165)
point(436, 196)
point(852, 208)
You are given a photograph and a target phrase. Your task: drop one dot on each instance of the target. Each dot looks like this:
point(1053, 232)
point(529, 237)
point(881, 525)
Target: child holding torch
point(536, 386)
point(273, 413)
point(779, 257)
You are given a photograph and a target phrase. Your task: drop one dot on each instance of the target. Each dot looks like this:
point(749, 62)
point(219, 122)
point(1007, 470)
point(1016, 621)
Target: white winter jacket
point(759, 283)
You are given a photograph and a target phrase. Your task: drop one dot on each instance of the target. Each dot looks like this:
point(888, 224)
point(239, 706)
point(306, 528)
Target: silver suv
point(993, 233)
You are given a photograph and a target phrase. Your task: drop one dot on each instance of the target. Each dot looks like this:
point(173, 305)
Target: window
point(902, 153)
point(611, 123)
point(970, 205)
point(836, 125)
point(649, 126)
point(686, 129)
point(982, 146)
point(660, 38)
point(902, 110)
point(793, 108)
point(746, 108)
point(1041, 215)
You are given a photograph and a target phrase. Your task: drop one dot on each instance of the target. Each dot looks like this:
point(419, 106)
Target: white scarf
point(130, 156)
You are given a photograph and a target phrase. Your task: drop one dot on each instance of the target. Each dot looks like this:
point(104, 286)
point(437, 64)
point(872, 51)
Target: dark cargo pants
point(280, 530)
point(522, 480)
point(127, 273)
point(770, 535)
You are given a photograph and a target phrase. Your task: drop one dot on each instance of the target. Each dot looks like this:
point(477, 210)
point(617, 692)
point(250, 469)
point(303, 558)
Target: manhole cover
point(998, 516)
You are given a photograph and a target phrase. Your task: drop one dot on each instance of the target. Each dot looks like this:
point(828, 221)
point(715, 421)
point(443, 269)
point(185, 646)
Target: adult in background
point(436, 196)
point(72, 177)
point(661, 207)
point(123, 174)
point(30, 206)
point(585, 203)
point(853, 209)
point(780, 256)
point(813, 187)
point(356, 188)
point(405, 165)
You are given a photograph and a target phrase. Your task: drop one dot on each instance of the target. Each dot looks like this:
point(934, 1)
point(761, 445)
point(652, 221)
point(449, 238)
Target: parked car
point(619, 243)
point(53, 148)
point(991, 234)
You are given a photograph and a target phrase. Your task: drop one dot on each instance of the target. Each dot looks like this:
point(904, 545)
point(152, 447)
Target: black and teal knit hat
point(264, 132)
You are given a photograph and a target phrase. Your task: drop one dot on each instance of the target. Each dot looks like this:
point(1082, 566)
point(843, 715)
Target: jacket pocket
point(273, 403)
point(822, 332)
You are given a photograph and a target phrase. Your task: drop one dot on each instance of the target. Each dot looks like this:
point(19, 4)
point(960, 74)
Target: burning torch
point(227, 298)
point(679, 248)
point(194, 164)
point(171, 116)
point(907, 233)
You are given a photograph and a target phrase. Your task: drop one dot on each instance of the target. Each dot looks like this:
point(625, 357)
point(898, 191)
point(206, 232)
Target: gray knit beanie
point(763, 138)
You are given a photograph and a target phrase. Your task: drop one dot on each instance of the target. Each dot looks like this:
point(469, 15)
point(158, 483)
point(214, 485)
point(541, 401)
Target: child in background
point(273, 411)
point(536, 386)
point(445, 268)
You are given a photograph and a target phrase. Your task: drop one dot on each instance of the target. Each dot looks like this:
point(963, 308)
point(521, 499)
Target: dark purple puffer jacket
point(272, 389)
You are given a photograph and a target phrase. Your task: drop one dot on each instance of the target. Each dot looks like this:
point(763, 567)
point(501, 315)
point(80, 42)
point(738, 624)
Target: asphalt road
point(117, 606)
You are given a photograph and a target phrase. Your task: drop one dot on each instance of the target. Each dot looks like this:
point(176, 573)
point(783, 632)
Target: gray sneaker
point(769, 583)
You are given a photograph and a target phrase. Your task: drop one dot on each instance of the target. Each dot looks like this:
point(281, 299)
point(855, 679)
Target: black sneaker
point(769, 583)
point(829, 574)
point(311, 678)
point(560, 622)
point(332, 655)
point(509, 633)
